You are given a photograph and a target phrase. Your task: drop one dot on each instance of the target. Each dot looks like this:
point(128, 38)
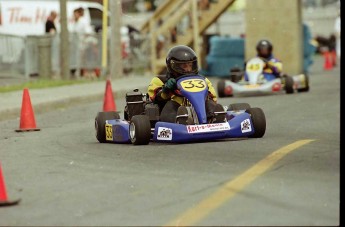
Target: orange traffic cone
point(328, 62)
point(3, 195)
point(27, 118)
point(108, 102)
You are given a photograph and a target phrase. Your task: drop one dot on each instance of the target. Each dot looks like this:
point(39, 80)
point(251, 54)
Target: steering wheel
point(184, 76)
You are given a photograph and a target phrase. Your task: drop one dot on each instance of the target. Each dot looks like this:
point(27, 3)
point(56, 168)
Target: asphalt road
point(65, 177)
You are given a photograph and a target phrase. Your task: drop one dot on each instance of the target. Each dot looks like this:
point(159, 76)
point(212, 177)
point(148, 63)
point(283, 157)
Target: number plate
point(193, 85)
point(253, 67)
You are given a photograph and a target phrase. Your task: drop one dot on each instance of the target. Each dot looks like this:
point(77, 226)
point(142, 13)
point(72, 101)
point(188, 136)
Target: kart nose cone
point(228, 90)
point(276, 87)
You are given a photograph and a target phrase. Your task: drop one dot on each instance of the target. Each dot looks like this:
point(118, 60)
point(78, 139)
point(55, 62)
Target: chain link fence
point(25, 56)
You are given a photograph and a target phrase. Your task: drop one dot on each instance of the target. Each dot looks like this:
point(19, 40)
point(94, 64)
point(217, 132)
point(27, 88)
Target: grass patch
point(42, 83)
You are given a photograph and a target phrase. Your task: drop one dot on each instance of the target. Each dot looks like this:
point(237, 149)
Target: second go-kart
point(258, 84)
point(141, 123)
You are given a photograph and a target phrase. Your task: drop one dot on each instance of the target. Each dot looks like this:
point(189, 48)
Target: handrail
point(164, 9)
point(173, 19)
point(176, 13)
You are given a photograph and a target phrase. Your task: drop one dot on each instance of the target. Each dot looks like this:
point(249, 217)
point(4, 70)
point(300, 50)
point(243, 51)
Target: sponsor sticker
point(208, 128)
point(164, 133)
point(118, 132)
point(108, 132)
point(246, 126)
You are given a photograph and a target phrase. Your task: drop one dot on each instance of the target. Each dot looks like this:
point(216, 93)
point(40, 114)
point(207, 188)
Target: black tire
point(289, 85)
point(235, 78)
point(259, 122)
point(100, 124)
point(140, 130)
point(235, 74)
point(307, 85)
point(239, 106)
point(221, 88)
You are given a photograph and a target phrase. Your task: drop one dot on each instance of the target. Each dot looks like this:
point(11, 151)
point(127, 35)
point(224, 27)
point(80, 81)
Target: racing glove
point(266, 63)
point(169, 86)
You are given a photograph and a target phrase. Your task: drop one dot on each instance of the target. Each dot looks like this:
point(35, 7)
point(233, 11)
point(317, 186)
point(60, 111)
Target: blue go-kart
point(141, 123)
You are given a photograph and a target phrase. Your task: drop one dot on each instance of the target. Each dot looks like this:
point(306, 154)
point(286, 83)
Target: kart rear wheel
point(306, 84)
point(140, 130)
point(221, 88)
point(235, 74)
point(259, 122)
point(100, 123)
point(239, 106)
point(289, 85)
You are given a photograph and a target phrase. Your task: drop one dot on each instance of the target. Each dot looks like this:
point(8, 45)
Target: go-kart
point(257, 83)
point(141, 123)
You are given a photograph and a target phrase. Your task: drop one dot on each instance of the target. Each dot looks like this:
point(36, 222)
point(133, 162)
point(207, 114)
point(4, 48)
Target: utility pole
point(116, 68)
point(196, 30)
point(64, 41)
point(105, 38)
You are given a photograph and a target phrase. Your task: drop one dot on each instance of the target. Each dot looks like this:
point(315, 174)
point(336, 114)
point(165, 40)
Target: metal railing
point(25, 56)
point(12, 55)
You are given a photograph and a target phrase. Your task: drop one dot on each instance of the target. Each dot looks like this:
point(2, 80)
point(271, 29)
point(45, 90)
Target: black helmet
point(264, 44)
point(181, 60)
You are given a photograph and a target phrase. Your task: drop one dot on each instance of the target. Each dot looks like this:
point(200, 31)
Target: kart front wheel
point(100, 123)
point(239, 106)
point(221, 88)
point(289, 85)
point(224, 91)
point(259, 122)
point(140, 130)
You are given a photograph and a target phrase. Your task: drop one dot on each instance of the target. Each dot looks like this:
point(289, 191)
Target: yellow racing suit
point(273, 66)
point(157, 96)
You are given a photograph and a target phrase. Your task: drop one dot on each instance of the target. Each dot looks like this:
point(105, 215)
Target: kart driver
point(273, 67)
point(181, 60)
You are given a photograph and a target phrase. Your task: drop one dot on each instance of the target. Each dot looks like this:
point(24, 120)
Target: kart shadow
point(199, 142)
point(256, 95)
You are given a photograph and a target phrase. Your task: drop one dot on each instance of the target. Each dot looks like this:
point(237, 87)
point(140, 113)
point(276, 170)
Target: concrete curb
point(14, 113)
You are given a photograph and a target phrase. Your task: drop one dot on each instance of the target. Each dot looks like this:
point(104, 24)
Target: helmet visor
point(264, 52)
point(184, 67)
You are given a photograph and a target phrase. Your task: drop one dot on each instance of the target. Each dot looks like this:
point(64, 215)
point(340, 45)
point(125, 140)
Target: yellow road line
point(229, 190)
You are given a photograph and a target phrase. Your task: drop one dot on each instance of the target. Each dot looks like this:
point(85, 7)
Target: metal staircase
point(170, 14)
